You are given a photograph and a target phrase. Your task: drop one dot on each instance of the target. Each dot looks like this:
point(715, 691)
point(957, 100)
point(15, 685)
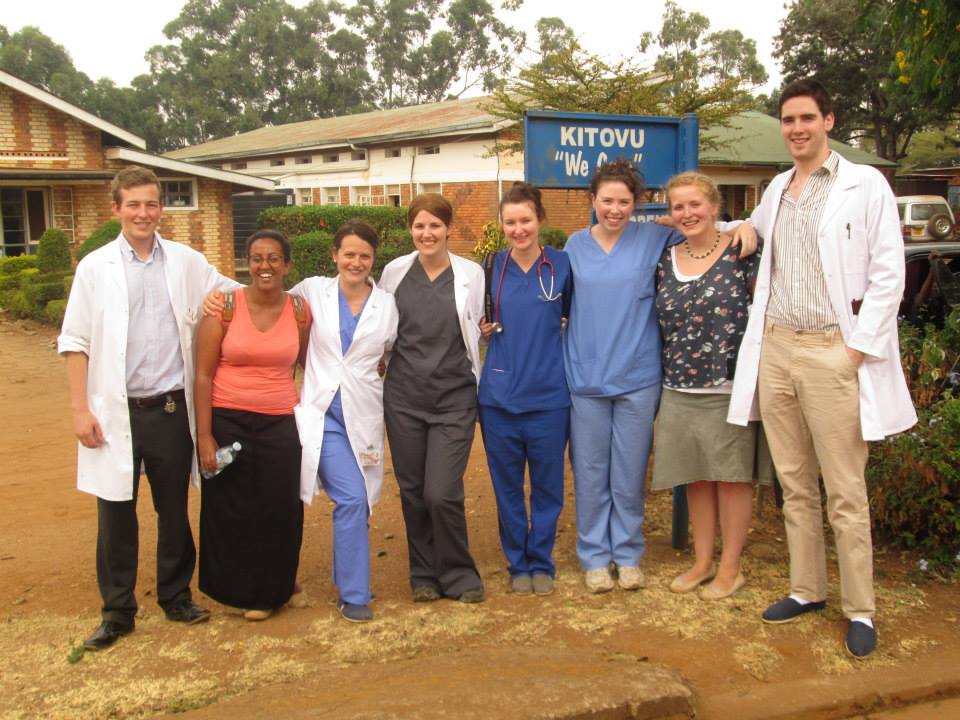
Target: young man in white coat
point(127, 338)
point(820, 358)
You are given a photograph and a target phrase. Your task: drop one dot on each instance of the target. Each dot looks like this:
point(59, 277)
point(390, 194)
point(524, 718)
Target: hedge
point(98, 238)
point(312, 254)
point(54, 311)
point(297, 220)
point(53, 251)
point(16, 264)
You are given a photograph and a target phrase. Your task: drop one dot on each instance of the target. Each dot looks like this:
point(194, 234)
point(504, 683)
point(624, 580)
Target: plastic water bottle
point(224, 456)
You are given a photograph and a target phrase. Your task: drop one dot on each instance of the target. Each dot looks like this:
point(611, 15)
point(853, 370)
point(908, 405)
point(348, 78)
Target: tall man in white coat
point(127, 338)
point(820, 358)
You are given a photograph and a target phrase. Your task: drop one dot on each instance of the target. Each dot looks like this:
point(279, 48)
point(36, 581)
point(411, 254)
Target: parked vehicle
point(932, 284)
point(924, 218)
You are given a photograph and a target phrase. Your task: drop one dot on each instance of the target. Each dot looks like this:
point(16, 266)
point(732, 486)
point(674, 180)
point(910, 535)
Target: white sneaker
point(630, 577)
point(598, 580)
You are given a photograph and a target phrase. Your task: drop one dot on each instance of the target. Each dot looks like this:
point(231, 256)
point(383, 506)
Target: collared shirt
point(154, 360)
point(798, 288)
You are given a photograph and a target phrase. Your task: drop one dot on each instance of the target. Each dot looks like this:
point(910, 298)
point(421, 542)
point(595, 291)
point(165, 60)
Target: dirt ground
point(49, 600)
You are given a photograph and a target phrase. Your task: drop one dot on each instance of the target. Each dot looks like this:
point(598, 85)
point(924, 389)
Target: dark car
point(932, 284)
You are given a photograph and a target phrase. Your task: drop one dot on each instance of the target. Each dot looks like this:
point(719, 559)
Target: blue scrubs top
point(523, 370)
point(334, 421)
point(612, 345)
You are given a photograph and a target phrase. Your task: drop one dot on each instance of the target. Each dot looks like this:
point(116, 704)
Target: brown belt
point(162, 399)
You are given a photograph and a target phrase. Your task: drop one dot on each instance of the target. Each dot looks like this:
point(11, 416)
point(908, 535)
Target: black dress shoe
point(861, 639)
point(107, 634)
point(788, 609)
point(187, 612)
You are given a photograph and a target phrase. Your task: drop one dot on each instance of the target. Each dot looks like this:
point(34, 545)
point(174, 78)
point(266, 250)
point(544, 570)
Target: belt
point(157, 400)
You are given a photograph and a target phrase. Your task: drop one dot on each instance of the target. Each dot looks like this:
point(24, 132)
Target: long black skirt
point(251, 516)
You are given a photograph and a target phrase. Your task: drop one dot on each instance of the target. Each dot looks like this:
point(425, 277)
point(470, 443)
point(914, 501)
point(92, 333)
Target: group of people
point(683, 322)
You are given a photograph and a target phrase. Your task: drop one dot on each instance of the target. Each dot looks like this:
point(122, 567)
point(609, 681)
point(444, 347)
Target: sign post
point(562, 149)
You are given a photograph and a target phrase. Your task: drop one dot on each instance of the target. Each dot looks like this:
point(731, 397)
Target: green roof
point(754, 139)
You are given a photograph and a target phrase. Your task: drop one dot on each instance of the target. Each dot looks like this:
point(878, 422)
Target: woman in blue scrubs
point(523, 398)
point(612, 355)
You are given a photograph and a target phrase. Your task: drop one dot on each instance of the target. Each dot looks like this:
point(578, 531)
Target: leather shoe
point(861, 639)
point(788, 610)
point(107, 634)
point(187, 612)
point(425, 593)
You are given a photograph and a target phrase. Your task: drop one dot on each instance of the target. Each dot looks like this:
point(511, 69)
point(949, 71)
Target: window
point(330, 196)
point(358, 155)
point(304, 160)
point(393, 195)
point(331, 157)
point(277, 162)
point(429, 188)
point(23, 219)
point(361, 195)
point(178, 194)
point(238, 166)
point(428, 150)
point(392, 152)
point(304, 196)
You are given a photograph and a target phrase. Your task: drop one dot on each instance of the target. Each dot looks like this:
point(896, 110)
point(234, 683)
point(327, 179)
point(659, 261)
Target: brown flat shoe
point(711, 592)
point(683, 584)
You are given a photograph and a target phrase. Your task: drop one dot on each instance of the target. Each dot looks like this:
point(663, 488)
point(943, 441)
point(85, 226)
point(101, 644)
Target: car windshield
point(925, 211)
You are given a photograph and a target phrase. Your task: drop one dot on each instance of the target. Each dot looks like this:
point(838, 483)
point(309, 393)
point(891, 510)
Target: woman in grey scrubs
point(430, 400)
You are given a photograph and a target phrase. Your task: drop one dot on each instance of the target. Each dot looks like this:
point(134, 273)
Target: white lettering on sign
point(580, 136)
point(575, 164)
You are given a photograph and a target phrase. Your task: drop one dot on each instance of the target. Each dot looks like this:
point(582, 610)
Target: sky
point(108, 38)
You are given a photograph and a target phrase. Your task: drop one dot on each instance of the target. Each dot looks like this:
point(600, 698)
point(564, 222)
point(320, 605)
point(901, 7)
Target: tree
point(937, 147)
point(428, 50)
point(926, 37)
point(852, 57)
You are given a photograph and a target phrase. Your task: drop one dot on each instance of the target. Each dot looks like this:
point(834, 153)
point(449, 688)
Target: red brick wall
point(568, 210)
point(473, 205)
point(35, 135)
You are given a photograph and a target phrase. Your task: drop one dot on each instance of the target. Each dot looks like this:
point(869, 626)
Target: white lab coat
point(95, 323)
point(861, 251)
point(354, 374)
point(468, 289)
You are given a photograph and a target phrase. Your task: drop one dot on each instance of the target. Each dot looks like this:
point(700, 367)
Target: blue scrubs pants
point(610, 441)
point(512, 441)
point(344, 484)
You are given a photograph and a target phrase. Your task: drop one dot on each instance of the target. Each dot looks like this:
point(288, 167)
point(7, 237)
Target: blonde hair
point(705, 184)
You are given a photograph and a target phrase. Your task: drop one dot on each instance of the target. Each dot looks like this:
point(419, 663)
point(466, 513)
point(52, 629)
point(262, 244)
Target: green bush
point(299, 220)
point(14, 265)
point(39, 294)
point(54, 311)
point(311, 255)
point(914, 478)
point(553, 236)
point(26, 277)
point(53, 251)
point(67, 285)
point(15, 302)
point(10, 282)
point(98, 238)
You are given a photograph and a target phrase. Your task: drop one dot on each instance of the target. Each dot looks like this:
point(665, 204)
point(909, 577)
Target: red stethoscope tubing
point(544, 260)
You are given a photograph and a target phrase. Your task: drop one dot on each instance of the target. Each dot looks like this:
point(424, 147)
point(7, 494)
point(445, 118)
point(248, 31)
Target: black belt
point(156, 400)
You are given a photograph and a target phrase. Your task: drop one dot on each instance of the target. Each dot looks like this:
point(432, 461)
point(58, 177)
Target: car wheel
point(940, 226)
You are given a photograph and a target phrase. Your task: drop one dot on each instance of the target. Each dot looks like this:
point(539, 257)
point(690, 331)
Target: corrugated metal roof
point(754, 139)
point(417, 121)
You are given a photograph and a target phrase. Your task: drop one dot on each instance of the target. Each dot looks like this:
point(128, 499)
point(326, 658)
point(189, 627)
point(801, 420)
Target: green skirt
point(693, 441)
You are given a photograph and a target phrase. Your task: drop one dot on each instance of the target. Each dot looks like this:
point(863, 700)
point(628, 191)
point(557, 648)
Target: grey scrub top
point(429, 368)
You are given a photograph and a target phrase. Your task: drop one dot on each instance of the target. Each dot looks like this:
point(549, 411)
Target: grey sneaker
point(630, 577)
point(472, 596)
point(542, 584)
point(521, 584)
point(355, 613)
point(598, 580)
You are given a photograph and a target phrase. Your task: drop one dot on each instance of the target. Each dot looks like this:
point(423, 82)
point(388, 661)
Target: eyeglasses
point(269, 259)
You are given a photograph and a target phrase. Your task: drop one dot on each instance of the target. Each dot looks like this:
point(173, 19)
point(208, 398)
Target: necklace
point(708, 253)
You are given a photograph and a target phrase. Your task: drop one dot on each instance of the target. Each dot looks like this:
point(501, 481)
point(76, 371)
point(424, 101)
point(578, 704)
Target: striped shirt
point(798, 289)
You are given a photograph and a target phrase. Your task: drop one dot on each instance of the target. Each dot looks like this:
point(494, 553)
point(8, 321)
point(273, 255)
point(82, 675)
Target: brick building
point(386, 157)
point(56, 163)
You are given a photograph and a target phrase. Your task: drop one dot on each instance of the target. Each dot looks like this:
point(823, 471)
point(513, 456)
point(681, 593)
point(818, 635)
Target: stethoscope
point(544, 295)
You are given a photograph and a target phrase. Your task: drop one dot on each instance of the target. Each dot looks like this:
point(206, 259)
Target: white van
point(924, 218)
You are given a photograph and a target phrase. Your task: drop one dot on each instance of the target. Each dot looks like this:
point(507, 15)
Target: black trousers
point(430, 452)
point(163, 443)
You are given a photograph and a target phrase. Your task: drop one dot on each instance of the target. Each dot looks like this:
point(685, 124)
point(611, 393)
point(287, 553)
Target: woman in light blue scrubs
point(524, 404)
point(612, 358)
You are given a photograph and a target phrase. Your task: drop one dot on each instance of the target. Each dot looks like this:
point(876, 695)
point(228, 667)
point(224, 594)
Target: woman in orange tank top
point(251, 516)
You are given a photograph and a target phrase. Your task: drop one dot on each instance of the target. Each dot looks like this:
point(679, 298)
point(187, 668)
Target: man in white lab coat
point(820, 356)
point(127, 338)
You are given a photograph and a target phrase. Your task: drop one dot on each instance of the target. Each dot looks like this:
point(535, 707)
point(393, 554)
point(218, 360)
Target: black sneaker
point(355, 613)
point(788, 610)
point(861, 639)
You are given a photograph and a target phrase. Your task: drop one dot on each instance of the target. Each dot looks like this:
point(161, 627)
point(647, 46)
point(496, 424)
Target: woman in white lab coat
point(340, 415)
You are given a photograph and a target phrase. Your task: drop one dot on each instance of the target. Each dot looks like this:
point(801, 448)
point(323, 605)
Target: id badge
point(370, 457)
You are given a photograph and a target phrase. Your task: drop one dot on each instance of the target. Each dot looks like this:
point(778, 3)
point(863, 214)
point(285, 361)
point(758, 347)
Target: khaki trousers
point(809, 401)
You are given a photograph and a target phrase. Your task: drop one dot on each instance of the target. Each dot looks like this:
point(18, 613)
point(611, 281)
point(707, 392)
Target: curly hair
point(619, 170)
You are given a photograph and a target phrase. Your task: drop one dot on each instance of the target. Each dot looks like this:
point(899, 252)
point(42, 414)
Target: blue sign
point(561, 149)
